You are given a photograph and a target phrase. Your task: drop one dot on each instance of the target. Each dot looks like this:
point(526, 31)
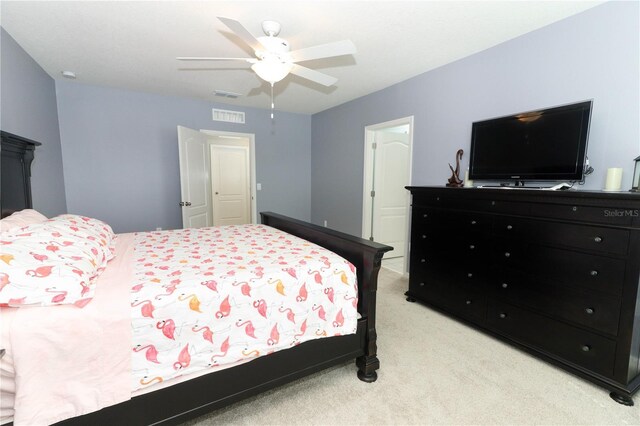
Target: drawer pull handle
point(470, 275)
point(473, 222)
point(586, 348)
point(507, 254)
point(574, 208)
point(472, 247)
point(505, 285)
point(593, 273)
point(437, 198)
point(421, 284)
point(589, 311)
point(598, 239)
point(468, 302)
point(423, 260)
point(425, 215)
point(509, 227)
point(424, 236)
point(493, 203)
point(502, 315)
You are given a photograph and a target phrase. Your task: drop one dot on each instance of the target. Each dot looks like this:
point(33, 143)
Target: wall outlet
point(325, 223)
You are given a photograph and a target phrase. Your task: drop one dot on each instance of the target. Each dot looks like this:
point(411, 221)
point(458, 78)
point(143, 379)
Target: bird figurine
point(455, 181)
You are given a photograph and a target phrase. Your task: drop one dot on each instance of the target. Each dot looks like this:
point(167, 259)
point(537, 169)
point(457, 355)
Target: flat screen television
point(545, 145)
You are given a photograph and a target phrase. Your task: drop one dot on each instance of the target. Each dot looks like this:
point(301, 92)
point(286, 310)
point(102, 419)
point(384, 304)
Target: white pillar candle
point(614, 179)
point(467, 182)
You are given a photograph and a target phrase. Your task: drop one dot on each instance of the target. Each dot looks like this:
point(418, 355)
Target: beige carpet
point(434, 370)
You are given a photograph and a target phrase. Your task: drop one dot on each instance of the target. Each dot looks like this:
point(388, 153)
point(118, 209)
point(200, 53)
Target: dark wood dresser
point(554, 272)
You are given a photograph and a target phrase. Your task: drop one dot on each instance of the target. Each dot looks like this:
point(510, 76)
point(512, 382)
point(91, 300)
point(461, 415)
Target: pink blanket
point(72, 386)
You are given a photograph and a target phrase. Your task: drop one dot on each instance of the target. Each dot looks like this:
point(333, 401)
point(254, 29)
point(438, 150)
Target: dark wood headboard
point(16, 155)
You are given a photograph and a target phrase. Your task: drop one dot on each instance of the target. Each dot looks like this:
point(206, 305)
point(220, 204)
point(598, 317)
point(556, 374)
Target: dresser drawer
point(513, 227)
point(509, 207)
point(607, 216)
point(450, 291)
point(448, 202)
point(468, 304)
point(459, 272)
point(427, 200)
point(577, 269)
point(490, 206)
point(425, 216)
point(450, 221)
point(592, 310)
point(594, 238)
point(452, 250)
point(472, 204)
point(431, 285)
point(509, 252)
point(578, 346)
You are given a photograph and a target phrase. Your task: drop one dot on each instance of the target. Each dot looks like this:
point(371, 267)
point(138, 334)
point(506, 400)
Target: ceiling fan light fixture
point(272, 71)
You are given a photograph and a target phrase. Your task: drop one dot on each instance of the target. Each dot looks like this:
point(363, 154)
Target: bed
point(202, 394)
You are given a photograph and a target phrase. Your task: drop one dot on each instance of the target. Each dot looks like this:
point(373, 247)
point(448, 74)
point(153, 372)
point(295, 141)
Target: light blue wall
point(121, 155)
point(28, 109)
point(120, 151)
point(592, 55)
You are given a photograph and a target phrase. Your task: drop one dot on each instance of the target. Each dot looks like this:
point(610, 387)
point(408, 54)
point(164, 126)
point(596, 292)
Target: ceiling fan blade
point(206, 58)
point(313, 75)
point(339, 48)
point(243, 33)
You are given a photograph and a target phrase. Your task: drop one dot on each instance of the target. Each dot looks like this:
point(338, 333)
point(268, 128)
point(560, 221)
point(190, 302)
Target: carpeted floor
point(434, 370)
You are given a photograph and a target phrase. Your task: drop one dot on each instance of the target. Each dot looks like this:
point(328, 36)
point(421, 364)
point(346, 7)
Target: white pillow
point(55, 262)
point(21, 219)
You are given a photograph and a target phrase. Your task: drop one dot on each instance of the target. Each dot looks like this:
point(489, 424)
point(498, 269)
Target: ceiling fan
point(273, 59)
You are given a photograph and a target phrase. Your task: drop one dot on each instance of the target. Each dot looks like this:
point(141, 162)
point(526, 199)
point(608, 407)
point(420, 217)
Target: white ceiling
point(133, 45)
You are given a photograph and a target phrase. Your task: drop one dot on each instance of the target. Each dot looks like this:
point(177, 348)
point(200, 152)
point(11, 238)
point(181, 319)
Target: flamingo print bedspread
point(208, 297)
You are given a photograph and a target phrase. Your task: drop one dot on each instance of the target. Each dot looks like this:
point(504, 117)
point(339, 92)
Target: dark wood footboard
point(366, 256)
point(195, 397)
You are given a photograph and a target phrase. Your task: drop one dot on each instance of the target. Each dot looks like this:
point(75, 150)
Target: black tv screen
point(549, 144)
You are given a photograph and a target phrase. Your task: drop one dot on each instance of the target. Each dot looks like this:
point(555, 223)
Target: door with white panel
point(195, 181)
point(230, 183)
point(389, 203)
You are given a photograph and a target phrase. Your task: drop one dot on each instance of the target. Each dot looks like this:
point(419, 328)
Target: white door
point(390, 176)
point(194, 178)
point(230, 182)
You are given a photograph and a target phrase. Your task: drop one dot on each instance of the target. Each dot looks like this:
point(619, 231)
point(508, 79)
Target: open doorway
point(217, 177)
point(387, 170)
point(233, 176)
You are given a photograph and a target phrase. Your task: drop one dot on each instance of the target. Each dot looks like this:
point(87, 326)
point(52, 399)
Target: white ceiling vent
point(228, 116)
point(226, 94)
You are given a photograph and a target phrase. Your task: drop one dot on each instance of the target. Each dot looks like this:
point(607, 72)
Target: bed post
point(366, 256)
point(369, 362)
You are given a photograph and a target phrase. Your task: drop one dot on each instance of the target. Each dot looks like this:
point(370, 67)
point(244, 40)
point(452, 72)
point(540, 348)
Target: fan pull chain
point(272, 102)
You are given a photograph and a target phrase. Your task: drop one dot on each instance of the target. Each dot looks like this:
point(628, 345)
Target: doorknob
point(181, 204)
point(185, 203)
point(216, 192)
point(188, 204)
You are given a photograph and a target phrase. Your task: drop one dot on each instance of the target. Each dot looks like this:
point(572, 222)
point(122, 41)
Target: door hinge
point(373, 193)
